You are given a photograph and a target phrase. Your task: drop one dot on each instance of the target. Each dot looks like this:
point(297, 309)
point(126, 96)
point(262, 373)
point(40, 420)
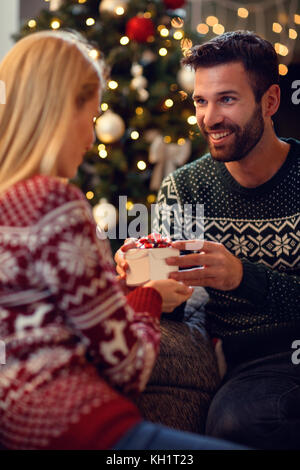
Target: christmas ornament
point(109, 127)
point(186, 79)
point(110, 6)
point(167, 157)
point(105, 215)
point(140, 29)
point(55, 4)
point(139, 82)
point(173, 4)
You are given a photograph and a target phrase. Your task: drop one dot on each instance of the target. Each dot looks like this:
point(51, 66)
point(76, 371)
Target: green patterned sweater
point(259, 225)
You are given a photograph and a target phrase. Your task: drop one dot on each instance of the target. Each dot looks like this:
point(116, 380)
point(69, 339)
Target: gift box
point(147, 261)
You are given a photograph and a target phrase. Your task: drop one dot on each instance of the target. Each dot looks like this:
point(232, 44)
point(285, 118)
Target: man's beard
point(245, 139)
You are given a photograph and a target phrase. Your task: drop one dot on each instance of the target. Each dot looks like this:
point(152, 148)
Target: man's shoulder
point(195, 169)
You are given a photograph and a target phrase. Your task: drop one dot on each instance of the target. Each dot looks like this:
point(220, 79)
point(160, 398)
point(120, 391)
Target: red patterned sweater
point(72, 339)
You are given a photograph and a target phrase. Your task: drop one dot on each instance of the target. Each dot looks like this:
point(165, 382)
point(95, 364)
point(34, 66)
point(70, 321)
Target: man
point(250, 264)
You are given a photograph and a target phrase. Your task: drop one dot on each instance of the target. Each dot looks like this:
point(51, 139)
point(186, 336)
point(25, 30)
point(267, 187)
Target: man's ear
point(271, 100)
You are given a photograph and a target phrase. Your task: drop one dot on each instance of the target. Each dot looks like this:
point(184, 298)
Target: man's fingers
point(195, 259)
point(202, 245)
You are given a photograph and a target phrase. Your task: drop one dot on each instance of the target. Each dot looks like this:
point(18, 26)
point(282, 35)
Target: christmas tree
point(148, 126)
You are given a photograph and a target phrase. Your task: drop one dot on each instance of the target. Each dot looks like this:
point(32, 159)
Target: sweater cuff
point(254, 285)
point(146, 299)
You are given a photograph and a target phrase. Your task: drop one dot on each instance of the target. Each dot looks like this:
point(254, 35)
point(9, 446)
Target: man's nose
point(212, 116)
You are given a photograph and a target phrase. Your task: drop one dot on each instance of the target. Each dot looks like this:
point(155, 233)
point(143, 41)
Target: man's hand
point(218, 269)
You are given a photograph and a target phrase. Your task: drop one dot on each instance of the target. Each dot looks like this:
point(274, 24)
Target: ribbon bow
point(154, 240)
point(167, 158)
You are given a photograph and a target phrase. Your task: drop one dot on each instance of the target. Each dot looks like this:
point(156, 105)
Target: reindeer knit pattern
point(71, 337)
point(259, 225)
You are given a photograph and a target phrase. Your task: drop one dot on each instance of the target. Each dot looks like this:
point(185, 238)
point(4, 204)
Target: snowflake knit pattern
point(259, 225)
point(71, 337)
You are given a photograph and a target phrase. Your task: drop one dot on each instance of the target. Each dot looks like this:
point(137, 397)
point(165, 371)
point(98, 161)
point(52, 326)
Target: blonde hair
point(47, 76)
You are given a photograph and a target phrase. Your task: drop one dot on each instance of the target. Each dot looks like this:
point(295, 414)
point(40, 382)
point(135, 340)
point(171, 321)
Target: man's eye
point(199, 101)
point(228, 99)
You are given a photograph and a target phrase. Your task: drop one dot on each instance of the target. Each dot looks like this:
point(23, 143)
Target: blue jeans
point(146, 435)
point(258, 404)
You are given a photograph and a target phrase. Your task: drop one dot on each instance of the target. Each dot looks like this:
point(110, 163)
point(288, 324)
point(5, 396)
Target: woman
point(74, 342)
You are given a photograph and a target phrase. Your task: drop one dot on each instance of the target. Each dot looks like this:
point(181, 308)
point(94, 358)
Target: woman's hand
point(173, 293)
point(120, 260)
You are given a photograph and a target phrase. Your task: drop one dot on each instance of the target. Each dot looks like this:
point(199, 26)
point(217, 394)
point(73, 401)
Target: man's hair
point(257, 55)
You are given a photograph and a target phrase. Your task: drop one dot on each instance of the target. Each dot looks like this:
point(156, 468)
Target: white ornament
point(136, 70)
point(105, 215)
point(109, 127)
point(110, 6)
point(166, 157)
point(143, 94)
point(55, 4)
point(186, 79)
point(139, 82)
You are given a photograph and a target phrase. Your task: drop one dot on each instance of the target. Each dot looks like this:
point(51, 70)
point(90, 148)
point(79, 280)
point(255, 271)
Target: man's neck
point(261, 163)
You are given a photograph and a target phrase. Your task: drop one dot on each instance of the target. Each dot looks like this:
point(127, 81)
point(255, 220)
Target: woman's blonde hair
point(47, 75)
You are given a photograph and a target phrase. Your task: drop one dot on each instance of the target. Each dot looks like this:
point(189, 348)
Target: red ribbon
point(154, 240)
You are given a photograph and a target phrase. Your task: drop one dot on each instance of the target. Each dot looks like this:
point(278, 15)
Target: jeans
point(258, 404)
point(146, 435)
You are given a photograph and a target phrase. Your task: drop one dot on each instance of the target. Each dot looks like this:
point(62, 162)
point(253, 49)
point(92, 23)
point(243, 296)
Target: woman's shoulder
point(36, 196)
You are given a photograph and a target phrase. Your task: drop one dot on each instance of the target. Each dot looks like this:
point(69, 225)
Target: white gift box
point(148, 265)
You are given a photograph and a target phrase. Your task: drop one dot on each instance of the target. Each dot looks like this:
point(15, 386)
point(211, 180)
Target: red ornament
point(173, 4)
point(139, 29)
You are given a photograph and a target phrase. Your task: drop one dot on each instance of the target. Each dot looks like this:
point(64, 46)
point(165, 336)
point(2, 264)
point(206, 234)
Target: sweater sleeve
point(274, 292)
point(121, 335)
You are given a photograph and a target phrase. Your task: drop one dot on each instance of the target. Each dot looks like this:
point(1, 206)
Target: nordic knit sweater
point(72, 339)
point(259, 225)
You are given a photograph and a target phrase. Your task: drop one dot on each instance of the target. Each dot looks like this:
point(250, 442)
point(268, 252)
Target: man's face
point(227, 114)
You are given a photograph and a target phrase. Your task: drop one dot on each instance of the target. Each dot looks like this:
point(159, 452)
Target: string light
point(119, 11)
point(212, 20)
point(192, 120)
point(80, 1)
point(147, 14)
point(90, 22)
point(129, 205)
point(277, 28)
point(177, 22)
point(281, 49)
point(141, 165)
point(31, 23)
point(101, 147)
point(178, 35)
point(163, 51)
point(202, 28)
point(104, 106)
point(94, 54)
point(134, 135)
point(243, 12)
point(139, 110)
point(181, 141)
point(292, 33)
point(297, 19)
point(124, 40)
point(55, 24)
point(89, 195)
point(169, 103)
point(164, 32)
point(283, 70)
point(218, 28)
point(167, 139)
point(151, 198)
point(112, 84)
point(103, 153)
